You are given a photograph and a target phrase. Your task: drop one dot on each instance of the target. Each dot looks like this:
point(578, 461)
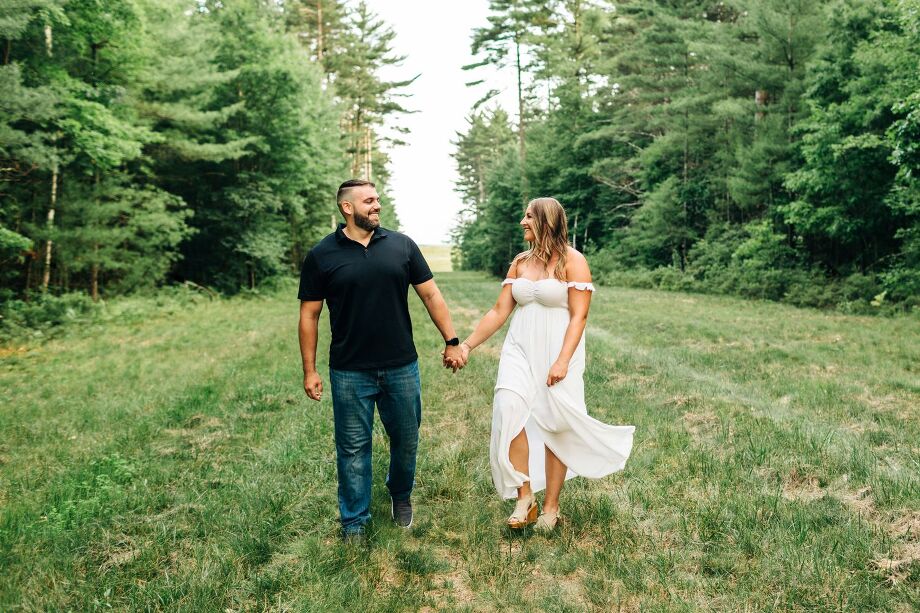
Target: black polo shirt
point(367, 293)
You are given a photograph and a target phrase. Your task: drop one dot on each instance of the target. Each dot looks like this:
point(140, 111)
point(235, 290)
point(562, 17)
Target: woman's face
point(526, 222)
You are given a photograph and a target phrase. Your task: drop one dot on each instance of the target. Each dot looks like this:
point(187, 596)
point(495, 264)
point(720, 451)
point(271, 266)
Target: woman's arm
point(576, 269)
point(492, 321)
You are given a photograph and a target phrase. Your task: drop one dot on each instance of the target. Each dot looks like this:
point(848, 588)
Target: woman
point(541, 431)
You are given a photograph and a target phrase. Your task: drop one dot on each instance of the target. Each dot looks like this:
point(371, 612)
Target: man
point(363, 272)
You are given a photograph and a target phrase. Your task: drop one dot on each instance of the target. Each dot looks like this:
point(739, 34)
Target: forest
point(765, 149)
point(152, 142)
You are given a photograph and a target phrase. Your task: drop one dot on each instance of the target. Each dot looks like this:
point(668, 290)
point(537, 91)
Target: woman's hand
point(466, 349)
point(557, 373)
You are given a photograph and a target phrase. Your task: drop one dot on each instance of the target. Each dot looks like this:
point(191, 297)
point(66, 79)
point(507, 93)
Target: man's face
point(365, 205)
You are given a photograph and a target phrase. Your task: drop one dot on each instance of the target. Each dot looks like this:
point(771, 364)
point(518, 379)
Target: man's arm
point(308, 332)
point(440, 315)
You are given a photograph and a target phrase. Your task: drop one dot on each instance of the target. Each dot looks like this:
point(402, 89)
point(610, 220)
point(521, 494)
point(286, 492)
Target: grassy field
point(438, 257)
point(174, 463)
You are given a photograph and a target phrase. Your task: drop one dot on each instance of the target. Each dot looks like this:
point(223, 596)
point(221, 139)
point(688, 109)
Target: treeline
point(149, 141)
point(765, 148)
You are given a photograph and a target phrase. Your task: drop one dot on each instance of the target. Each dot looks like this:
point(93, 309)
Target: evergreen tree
point(481, 153)
point(255, 213)
point(512, 23)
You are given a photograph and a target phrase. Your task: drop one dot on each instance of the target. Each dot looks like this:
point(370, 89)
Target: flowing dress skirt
point(552, 416)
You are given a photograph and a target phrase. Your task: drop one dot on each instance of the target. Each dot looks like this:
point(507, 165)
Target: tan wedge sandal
point(525, 513)
point(547, 522)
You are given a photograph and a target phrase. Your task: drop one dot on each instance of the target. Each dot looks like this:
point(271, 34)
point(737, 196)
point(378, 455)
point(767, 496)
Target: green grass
point(173, 463)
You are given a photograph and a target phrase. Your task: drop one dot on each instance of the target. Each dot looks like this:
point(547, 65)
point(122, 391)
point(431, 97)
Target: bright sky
point(435, 37)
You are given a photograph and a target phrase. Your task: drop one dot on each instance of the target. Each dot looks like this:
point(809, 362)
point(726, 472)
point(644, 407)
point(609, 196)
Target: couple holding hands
point(541, 431)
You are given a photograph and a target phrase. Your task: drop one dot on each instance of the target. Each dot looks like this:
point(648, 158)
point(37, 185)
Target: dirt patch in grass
point(619, 378)
point(901, 406)
point(858, 500)
point(6, 352)
point(179, 509)
point(699, 424)
point(904, 526)
point(200, 433)
point(118, 553)
point(454, 584)
point(897, 567)
point(119, 558)
point(806, 488)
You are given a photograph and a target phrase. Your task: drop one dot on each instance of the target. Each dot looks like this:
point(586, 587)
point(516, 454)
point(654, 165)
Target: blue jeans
point(397, 393)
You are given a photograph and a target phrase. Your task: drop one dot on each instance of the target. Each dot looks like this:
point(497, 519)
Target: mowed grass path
point(175, 464)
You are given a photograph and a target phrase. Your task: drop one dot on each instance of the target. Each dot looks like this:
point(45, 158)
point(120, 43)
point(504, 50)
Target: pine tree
point(505, 40)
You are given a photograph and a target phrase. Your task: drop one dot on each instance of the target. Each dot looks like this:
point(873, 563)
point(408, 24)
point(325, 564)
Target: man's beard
point(364, 222)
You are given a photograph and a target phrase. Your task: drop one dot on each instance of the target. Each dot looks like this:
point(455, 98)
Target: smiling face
point(363, 204)
point(527, 223)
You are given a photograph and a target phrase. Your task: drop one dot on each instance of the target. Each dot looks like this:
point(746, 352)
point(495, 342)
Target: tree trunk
point(575, 233)
point(28, 284)
point(522, 148)
point(46, 276)
point(368, 161)
point(319, 35)
point(94, 274)
point(760, 101)
point(481, 181)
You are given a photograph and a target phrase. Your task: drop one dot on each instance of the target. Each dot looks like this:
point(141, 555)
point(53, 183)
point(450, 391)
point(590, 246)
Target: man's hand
point(313, 385)
point(453, 358)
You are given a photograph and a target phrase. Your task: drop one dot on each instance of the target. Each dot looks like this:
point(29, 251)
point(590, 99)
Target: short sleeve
point(419, 272)
point(312, 286)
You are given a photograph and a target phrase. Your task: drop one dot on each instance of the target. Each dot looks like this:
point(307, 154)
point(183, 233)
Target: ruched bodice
point(551, 293)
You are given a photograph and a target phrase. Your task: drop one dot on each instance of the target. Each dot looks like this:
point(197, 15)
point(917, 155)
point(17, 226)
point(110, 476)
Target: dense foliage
point(148, 141)
point(767, 148)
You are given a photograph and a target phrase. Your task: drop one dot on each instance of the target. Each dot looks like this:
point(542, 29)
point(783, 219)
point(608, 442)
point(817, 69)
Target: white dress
point(553, 416)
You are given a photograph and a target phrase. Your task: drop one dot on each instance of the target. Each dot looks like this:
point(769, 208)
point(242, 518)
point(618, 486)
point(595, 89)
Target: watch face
point(453, 341)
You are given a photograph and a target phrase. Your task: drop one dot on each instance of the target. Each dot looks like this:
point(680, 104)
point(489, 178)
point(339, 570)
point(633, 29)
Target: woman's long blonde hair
point(551, 235)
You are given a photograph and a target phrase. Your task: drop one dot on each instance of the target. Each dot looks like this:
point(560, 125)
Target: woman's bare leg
point(555, 477)
point(519, 454)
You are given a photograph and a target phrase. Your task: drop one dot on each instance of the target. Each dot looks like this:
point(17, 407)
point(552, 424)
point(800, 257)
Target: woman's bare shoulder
point(576, 265)
point(574, 255)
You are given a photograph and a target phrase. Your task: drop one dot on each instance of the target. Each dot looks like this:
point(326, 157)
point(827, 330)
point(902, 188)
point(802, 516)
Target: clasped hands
point(456, 356)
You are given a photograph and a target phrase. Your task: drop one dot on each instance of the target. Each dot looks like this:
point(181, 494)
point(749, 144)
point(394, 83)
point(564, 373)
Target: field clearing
point(176, 464)
point(438, 257)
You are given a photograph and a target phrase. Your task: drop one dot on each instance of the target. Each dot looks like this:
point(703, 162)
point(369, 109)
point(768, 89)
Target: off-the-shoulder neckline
point(574, 284)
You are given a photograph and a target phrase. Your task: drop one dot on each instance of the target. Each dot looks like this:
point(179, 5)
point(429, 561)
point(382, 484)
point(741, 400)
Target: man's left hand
point(453, 358)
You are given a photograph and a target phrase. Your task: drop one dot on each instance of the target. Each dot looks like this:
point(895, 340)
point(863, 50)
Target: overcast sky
point(435, 37)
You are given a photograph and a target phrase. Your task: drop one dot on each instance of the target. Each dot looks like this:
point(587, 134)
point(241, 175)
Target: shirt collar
point(380, 232)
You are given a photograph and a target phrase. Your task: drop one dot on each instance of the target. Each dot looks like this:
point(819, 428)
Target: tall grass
point(173, 462)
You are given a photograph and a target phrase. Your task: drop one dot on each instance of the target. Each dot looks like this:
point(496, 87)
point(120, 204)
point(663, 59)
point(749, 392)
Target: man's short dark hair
point(346, 187)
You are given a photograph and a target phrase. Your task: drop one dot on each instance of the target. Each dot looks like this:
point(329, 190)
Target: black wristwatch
point(452, 342)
